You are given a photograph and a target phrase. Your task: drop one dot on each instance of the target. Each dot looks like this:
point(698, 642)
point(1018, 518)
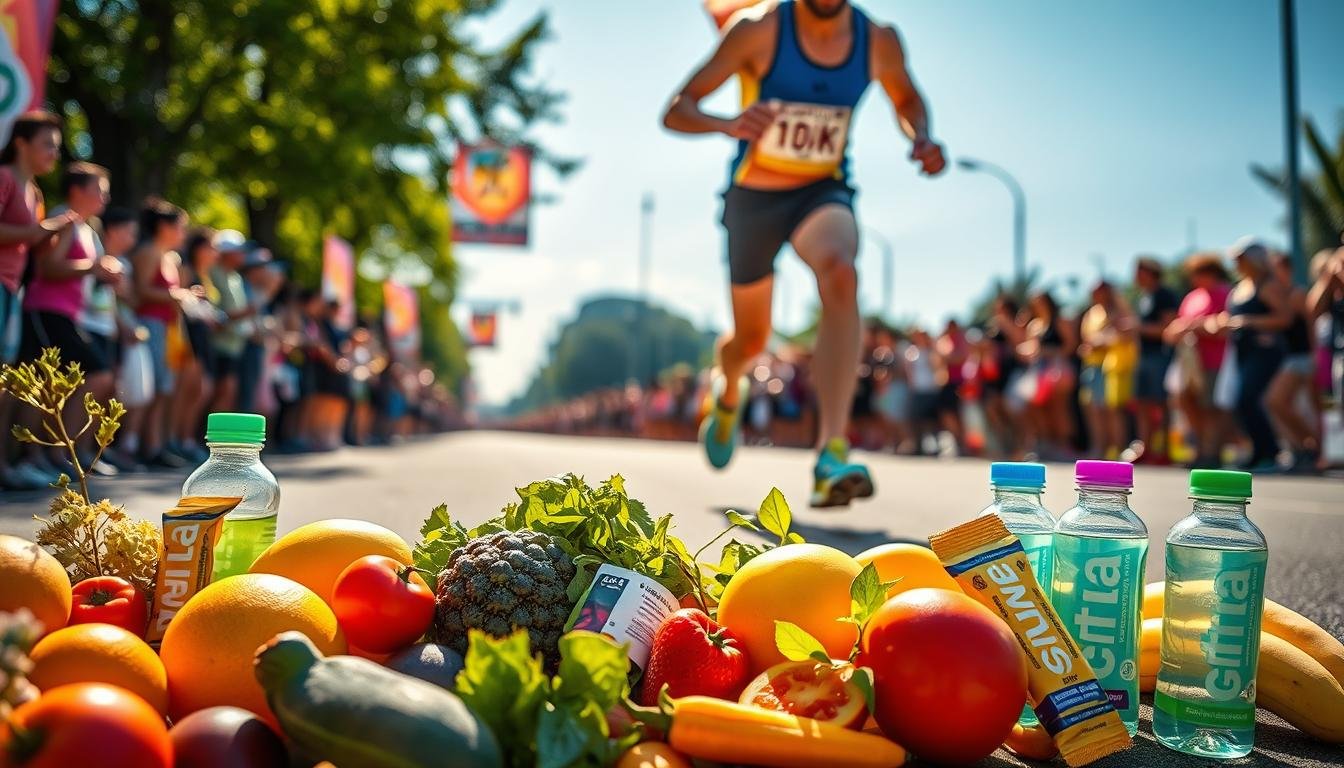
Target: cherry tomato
point(381, 604)
point(110, 600)
point(67, 724)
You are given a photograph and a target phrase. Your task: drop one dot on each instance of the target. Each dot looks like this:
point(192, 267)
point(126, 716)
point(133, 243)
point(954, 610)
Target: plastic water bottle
point(1205, 699)
point(235, 469)
point(1101, 548)
point(1017, 487)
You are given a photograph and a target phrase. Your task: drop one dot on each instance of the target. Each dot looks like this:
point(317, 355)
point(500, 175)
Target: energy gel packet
point(190, 532)
point(990, 565)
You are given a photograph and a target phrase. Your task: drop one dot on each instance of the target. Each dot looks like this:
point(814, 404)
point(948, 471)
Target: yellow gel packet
point(989, 564)
point(190, 532)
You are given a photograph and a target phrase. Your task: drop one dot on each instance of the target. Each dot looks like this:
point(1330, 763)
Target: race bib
point(805, 139)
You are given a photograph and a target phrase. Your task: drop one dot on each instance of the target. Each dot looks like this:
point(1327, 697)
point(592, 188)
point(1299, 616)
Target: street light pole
point(1288, 22)
point(645, 258)
point(1019, 215)
point(888, 271)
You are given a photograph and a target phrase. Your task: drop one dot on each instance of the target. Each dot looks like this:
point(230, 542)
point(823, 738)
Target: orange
point(100, 653)
point(316, 553)
point(915, 566)
point(209, 646)
point(806, 584)
point(35, 580)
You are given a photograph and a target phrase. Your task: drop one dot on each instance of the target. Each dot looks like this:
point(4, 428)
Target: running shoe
point(718, 431)
point(837, 480)
point(24, 477)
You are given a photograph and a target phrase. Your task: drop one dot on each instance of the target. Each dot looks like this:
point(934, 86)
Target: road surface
point(1303, 518)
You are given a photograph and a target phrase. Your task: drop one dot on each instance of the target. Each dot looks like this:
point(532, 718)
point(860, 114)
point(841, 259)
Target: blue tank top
point(797, 80)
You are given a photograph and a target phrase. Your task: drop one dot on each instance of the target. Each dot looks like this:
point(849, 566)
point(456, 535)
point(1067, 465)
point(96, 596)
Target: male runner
point(803, 68)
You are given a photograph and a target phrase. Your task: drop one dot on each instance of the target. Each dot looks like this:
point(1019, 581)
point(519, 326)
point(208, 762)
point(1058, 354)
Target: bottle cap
point(1017, 474)
point(1112, 474)
point(235, 428)
point(1220, 484)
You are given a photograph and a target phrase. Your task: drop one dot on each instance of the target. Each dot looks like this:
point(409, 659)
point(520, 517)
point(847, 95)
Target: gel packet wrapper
point(190, 531)
point(990, 565)
point(627, 607)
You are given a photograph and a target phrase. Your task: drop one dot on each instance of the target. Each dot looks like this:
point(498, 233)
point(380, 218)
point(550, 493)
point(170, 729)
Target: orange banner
point(483, 329)
point(401, 317)
point(492, 189)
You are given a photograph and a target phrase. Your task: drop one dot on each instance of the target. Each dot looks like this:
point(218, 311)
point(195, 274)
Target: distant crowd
point(177, 321)
point(1234, 363)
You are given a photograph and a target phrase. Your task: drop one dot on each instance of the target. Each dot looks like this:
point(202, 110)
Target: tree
point(293, 118)
point(1322, 196)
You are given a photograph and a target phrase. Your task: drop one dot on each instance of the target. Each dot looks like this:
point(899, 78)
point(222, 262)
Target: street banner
point(24, 48)
point(401, 317)
point(483, 328)
point(338, 278)
point(492, 188)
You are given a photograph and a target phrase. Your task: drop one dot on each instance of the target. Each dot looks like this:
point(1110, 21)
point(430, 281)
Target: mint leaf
point(774, 515)
point(795, 643)
point(739, 520)
point(863, 678)
point(866, 594)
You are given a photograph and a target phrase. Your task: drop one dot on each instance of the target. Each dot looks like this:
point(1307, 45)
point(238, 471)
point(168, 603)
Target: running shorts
point(759, 223)
point(49, 329)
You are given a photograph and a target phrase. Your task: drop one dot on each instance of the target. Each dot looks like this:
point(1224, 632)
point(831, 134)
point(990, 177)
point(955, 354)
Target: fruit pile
point(514, 644)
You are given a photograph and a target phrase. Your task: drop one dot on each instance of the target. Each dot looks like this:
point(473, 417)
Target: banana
point(1302, 632)
point(1296, 687)
point(1154, 595)
point(1289, 683)
point(1034, 743)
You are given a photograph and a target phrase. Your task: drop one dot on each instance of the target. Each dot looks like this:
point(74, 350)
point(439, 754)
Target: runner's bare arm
point(683, 113)
point(888, 68)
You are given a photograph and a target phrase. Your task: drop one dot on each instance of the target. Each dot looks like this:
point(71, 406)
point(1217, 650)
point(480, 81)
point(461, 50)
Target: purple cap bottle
point(1110, 474)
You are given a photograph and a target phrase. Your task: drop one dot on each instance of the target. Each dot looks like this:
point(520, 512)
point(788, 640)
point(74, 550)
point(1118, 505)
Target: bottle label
point(1205, 713)
point(1096, 587)
point(1231, 645)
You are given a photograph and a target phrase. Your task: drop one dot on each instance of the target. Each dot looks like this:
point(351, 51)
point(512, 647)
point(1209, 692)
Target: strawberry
point(694, 656)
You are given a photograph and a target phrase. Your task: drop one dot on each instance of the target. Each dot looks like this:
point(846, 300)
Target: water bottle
point(1101, 548)
point(1017, 487)
point(235, 469)
point(1205, 699)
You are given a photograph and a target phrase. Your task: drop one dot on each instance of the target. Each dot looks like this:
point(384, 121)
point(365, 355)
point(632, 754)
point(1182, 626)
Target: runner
point(803, 67)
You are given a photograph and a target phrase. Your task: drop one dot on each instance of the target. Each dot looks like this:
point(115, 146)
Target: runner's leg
point(827, 241)
point(751, 330)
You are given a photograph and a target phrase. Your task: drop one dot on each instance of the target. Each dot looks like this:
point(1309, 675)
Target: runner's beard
point(825, 9)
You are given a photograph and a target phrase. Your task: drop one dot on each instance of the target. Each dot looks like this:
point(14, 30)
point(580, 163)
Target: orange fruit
point(209, 646)
point(316, 553)
point(806, 584)
point(916, 567)
point(34, 580)
point(100, 653)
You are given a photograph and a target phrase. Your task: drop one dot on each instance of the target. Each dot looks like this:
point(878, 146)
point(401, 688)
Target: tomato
point(692, 655)
point(68, 723)
point(110, 600)
point(810, 689)
point(949, 677)
point(382, 605)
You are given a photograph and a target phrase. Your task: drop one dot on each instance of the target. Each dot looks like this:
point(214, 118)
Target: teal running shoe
point(718, 431)
point(837, 481)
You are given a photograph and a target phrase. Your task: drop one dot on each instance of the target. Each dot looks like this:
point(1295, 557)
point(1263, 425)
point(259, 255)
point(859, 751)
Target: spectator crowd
point(177, 321)
point(1224, 361)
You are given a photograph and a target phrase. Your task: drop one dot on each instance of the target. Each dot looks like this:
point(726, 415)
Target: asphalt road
point(475, 473)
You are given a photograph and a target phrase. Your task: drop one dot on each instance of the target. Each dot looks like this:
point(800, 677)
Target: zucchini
point(358, 714)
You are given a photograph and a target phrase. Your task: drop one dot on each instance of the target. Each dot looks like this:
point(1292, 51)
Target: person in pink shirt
point(1200, 351)
point(33, 149)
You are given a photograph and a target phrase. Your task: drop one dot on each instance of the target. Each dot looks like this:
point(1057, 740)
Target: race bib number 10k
point(805, 139)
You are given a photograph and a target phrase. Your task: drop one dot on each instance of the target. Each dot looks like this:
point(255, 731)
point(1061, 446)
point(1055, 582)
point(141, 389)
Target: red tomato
point(692, 655)
point(110, 600)
point(810, 689)
point(381, 604)
point(69, 723)
point(949, 677)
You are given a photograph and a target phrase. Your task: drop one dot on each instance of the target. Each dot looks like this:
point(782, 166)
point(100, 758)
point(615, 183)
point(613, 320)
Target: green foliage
point(1322, 195)
point(295, 118)
point(610, 342)
point(594, 525)
point(550, 722)
point(773, 516)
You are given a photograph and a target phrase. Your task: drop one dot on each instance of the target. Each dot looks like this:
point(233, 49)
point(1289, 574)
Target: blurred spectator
point(1109, 355)
point(234, 326)
point(1157, 305)
point(952, 353)
point(1050, 382)
point(1199, 355)
point(1293, 400)
point(159, 293)
point(199, 371)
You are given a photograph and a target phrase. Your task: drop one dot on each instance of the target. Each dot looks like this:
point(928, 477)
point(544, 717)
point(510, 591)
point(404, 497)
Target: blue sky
point(1128, 122)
